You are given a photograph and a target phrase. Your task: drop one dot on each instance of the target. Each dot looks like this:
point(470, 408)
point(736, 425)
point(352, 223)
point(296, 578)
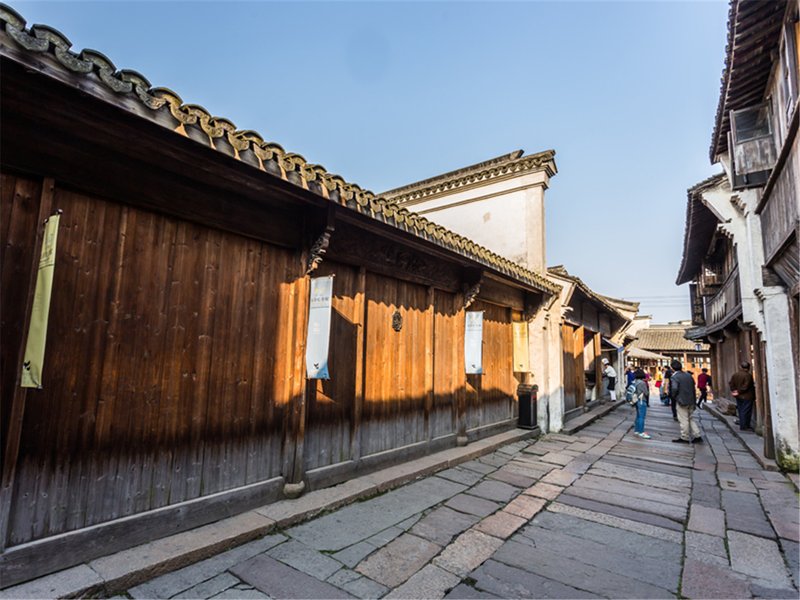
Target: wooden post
point(461, 395)
point(295, 485)
point(12, 441)
point(580, 377)
point(598, 366)
point(429, 345)
point(360, 358)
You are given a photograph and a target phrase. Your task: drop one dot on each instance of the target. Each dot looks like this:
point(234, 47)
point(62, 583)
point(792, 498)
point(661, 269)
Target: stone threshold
point(599, 410)
point(752, 441)
point(112, 574)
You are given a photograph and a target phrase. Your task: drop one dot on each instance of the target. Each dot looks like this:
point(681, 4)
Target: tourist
point(743, 388)
point(703, 384)
point(611, 374)
point(642, 395)
point(629, 375)
point(683, 394)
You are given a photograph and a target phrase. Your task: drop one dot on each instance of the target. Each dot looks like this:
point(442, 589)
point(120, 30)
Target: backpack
point(631, 395)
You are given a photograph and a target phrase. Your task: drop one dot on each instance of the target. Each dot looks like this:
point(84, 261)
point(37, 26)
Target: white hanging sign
point(319, 328)
point(473, 342)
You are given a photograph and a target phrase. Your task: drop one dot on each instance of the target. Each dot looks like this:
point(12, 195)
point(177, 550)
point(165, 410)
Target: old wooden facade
point(174, 383)
point(742, 229)
point(589, 326)
point(711, 264)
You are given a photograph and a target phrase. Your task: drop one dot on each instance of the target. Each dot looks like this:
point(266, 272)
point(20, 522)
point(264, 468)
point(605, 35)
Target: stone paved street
point(598, 514)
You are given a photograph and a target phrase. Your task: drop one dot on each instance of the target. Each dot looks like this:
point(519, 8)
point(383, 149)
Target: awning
point(609, 344)
point(645, 354)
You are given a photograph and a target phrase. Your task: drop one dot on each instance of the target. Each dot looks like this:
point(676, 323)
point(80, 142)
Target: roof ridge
point(497, 167)
point(249, 147)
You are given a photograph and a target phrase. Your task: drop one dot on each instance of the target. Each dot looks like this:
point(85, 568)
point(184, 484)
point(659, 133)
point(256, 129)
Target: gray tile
point(472, 505)
point(277, 580)
point(305, 559)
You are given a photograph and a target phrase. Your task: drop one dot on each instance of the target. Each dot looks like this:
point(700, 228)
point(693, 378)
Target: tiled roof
point(248, 146)
point(508, 164)
point(699, 228)
point(753, 34)
point(606, 303)
point(665, 339)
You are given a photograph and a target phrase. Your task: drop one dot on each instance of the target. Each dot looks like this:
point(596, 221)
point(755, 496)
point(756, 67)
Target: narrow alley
point(596, 514)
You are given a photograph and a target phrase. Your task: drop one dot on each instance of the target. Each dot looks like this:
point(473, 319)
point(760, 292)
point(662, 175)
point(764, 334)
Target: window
point(753, 146)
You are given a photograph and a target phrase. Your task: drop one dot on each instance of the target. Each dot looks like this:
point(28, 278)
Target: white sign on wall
point(319, 328)
point(473, 342)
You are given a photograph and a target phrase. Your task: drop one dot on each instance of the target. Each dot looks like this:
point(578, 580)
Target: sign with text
point(473, 342)
point(698, 314)
point(33, 363)
point(522, 363)
point(319, 328)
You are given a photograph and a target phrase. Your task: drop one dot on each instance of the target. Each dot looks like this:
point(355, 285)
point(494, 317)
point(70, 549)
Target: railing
point(725, 301)
point(779, 213)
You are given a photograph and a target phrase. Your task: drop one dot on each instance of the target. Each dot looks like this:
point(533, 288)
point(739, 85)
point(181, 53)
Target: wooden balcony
point(725, 304)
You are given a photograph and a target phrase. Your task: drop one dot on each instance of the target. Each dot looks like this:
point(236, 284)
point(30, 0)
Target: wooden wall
point(174, 367)
point(168, 369)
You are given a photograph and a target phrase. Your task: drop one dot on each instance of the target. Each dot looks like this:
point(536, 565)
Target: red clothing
point(702, 380)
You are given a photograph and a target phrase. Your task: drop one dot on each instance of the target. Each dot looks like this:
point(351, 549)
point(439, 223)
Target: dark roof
point(753, 35)
point(603, 301)
point(699, 230)
point(47, 50)
point(665, 338)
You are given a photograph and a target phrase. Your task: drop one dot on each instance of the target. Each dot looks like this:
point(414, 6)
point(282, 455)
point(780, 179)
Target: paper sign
point(33, 364)
point(521, 348)
point(319, 328)
point(473, 343)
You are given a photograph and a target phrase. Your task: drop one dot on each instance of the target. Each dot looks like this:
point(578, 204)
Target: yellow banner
point(522, 363)
point(37, 331)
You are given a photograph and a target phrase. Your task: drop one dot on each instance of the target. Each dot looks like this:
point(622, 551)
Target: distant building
point(658, 345)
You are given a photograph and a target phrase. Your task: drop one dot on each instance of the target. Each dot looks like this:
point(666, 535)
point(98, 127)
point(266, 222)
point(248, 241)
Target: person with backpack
point(683, 394)
point(640, 394)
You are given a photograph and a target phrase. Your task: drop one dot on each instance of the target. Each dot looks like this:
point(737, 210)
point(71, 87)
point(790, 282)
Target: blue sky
point(386, 93)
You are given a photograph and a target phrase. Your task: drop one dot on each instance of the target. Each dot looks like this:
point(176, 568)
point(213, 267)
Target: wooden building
point(174, 389)
point(742, 228)
point(711, 264)
point(591, 329)
point(658, 345)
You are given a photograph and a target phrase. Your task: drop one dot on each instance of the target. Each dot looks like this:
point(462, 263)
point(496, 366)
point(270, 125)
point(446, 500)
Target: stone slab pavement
point(598, 513)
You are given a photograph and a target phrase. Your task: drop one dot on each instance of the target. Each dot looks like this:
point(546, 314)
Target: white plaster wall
point(767, 309)
point(506, 216)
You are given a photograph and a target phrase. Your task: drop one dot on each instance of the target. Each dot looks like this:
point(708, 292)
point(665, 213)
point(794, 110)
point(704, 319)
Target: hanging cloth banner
point(33, 364)
point(473, 342)
point(319, 328)
point(522, 363)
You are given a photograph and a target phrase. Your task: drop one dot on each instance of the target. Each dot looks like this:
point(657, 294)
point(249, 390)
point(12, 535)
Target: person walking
point(743, 388)
point(611, 375)
point(629, 375)
point(665, 387)
point(642, 396)
point(703, 384)
point(683, 394)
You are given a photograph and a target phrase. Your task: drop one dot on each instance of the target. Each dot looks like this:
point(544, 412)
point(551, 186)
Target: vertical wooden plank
point(18, 400)
point(429, 358)
point(464, 385)
point(299, 386)
point(580, 381)
point(360, 313)
point(598, 366)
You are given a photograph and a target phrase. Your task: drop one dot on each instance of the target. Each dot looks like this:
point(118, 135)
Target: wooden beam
point(12, 442)
point(361, 358)
point(429, 358)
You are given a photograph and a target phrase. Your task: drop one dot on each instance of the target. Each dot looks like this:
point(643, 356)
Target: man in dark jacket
point(683, 394)
point(743, 388)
